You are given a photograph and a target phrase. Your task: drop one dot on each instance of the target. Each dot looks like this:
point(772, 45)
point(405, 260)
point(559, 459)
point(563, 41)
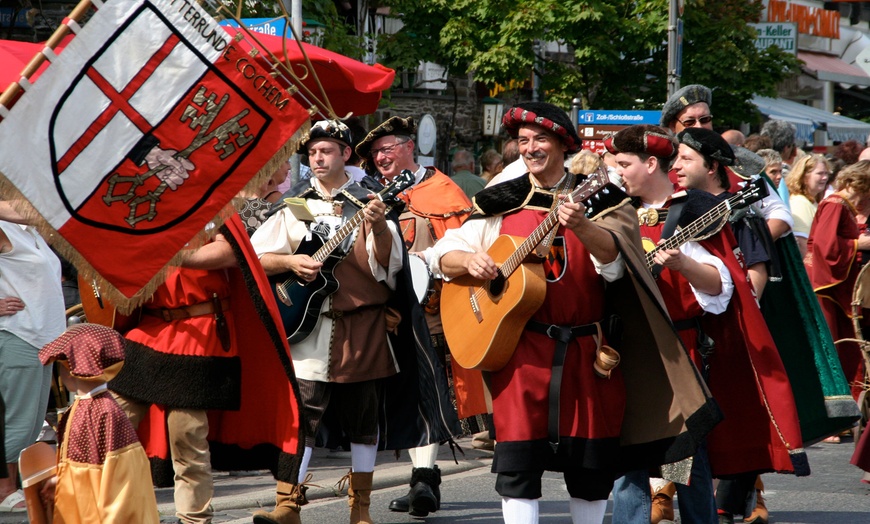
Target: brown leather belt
point(196, 310)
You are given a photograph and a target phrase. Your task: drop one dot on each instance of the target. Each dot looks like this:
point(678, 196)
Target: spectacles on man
point(690, 122)
point(387, 150)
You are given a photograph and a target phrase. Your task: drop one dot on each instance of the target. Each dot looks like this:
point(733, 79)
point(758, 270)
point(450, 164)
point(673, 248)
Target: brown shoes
point(663, 504)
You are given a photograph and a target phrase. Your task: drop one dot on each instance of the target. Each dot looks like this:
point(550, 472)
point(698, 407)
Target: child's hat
point(91, 352)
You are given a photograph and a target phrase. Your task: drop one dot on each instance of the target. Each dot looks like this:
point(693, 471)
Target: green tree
point(614, 51)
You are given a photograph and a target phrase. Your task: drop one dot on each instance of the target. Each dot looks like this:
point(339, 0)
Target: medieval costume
point(621, 428)
point(831, 265)
point(432, 205)
point(102, 472)
point(209, 340)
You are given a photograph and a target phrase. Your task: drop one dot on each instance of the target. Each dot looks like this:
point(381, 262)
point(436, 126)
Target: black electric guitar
point(718, 214)
point(299, 302)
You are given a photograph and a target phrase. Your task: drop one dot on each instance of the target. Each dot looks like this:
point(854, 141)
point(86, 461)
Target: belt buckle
point(550, 333)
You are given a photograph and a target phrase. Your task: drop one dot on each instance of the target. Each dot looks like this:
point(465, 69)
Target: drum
point(421, 279)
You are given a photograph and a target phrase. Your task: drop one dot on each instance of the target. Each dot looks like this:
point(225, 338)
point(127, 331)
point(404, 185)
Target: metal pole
point(295, 10)
point(673, 79)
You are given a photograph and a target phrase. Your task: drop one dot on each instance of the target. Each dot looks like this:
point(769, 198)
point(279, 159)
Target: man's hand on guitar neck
point(303, 266)
point(599, 243)
point(478, 265)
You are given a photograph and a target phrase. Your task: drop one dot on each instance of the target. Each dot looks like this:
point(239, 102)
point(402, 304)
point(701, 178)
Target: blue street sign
point(267, 26)
point(618, 118)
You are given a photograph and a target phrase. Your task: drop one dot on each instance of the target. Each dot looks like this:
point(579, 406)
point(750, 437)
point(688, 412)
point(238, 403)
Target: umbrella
point(15, 55)
point(350, 85)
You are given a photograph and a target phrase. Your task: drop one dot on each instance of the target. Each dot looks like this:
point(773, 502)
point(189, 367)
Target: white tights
point(525, 511)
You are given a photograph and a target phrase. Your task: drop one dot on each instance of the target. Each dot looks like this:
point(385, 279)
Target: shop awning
point(808, 119)
point(831, 68)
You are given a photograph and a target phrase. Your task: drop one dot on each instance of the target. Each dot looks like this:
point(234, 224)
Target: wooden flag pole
point(15, 88)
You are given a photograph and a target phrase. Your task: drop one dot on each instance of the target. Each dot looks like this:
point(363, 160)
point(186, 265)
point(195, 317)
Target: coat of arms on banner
point(139, 134)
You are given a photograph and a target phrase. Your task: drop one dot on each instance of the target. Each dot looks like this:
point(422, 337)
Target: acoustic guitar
point(483, 319)
point(99, 310)
point(711, 221)
point(300, 302)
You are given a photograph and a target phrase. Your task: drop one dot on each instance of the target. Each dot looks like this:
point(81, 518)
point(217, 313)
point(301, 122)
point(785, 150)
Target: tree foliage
point(614, 51)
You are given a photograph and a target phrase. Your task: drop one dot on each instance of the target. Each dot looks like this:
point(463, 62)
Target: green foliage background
point(616, 49)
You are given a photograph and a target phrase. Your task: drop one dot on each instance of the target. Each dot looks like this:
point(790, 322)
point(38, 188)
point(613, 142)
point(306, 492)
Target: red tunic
point(833, 268)
point(591, 408)
point(747, 377)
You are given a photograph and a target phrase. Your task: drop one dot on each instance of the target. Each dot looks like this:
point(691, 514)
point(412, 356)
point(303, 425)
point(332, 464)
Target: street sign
point(617, 118)
point(780, 34)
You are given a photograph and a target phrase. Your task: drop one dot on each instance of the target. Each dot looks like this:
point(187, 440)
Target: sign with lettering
point(815, 21)
point(780, 34)
point(624, 118)
point(139, 134)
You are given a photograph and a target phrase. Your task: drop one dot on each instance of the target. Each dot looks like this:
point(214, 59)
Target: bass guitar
point(483, 319)
point(705, 225)
point(300, 302)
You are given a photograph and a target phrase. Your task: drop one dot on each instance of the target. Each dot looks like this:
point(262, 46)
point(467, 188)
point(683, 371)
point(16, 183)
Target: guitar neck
point(513, 262)
point(330, 245)
point(596, 182)
point(714, 215)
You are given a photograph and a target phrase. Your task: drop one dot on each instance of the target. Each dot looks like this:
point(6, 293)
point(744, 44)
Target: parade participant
point(31, 315)
point(340, 364)
point(693, 283)
point(744, 353)
point(208, 340)
point(577, 426)
point(102, 472)
point(432, 206)
point(690, 107)
point(831, 264)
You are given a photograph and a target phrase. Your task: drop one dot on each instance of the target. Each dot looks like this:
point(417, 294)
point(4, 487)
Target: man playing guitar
point(573, 426)
point(340, 363)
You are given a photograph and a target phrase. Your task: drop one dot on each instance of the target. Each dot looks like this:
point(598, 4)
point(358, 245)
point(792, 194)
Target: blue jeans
point(632, 501)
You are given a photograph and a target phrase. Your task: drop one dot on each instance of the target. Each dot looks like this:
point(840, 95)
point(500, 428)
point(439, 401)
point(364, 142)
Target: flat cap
point(691, 94)
point(746, 163)
point(709, 143)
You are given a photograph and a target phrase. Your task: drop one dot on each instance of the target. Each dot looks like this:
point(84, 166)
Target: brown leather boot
point(286, 506)
point(760, 514)
point(359, 497)
point(663, 504)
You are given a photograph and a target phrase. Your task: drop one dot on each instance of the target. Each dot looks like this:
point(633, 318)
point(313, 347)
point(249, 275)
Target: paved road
point(831, 495)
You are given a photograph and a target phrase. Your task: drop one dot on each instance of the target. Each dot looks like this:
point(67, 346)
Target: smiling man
point(575, 426)
point(432, 206)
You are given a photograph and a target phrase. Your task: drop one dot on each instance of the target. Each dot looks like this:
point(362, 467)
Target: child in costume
point(103, 474)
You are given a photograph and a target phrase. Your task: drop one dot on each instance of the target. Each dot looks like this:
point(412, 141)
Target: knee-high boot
point(359, 497)
point(286, 506)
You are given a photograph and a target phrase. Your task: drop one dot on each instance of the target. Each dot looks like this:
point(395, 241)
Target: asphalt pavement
point(833, 493)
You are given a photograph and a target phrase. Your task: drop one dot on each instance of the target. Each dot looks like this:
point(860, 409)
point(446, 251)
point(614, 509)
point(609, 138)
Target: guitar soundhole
point(496, 285)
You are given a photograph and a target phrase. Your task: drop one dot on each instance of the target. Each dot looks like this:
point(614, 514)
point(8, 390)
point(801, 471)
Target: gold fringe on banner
point(124, 304)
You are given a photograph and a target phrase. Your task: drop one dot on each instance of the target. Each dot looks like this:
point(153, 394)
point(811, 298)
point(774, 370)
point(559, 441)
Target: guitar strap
point(355, 198)
point(543, 249)
point(674, 212)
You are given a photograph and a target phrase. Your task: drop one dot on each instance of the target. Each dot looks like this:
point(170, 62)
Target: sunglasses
point(690, 122)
